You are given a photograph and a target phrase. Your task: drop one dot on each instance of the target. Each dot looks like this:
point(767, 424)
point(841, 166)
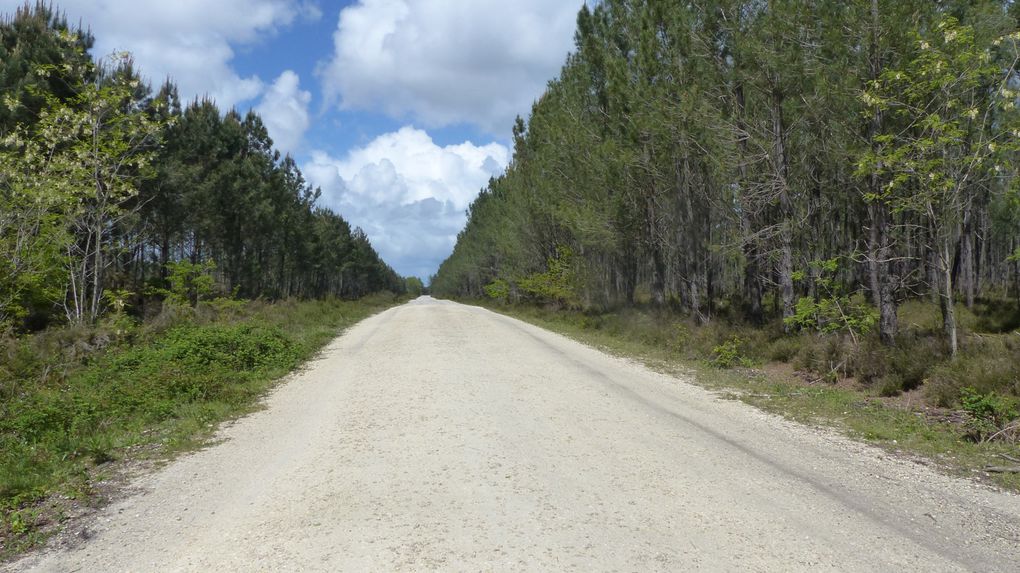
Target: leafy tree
point(31, 236)
point(189, 282)
point(83, 159)
point(413, 286)
point(556, 283)
point(105, 187)
point(953, 97)
point(833, 310)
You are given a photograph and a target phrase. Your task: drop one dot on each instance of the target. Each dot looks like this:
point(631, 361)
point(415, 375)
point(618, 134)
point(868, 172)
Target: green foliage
point(955, 130)
point(118, 321)
point(64, 409)
point(97, 175)
point(189, 282)
point(989, 413)
point(38, 33)
point(556, 283)
point(413, 286)
point(833, 311)
point(938, 93)
point(681, 337)
point(729, 354)
point(42, 59)
point(145, 385)
point(227, 308)
point(71, 174)
point(989, 365)
point(31, 259)
point(241, 347)
point(498, 289)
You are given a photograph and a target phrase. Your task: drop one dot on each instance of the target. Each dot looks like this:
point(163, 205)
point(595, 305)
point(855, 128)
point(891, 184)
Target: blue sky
point(400, 110)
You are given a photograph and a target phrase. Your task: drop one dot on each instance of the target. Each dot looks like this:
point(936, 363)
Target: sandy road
point(437, 436)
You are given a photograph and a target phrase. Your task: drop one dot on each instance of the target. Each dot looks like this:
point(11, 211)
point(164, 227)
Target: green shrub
point(807, 356)
point(728, 354)
point(590, 322)
point(189, 282)
point(681, 337)
point(239, 347)
point(871, 364)
point(896, 369)
point(784, 349)
point(913, 363)
point(890, 385)
point(835, 310)
point(997, 315)
point(988, 366)
point(556, 284)
point(498, 289)
point(72, 398)
point(225, 308)
point(989, 413)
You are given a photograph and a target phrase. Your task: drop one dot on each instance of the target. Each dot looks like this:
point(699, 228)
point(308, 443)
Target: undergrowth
point(72, 400)
point(913, 398)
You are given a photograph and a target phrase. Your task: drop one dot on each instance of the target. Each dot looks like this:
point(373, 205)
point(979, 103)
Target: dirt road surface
point(437, 436)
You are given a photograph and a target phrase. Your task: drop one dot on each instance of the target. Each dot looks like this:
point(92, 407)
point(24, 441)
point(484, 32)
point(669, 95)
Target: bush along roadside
point(76, 402)
point(960, 414)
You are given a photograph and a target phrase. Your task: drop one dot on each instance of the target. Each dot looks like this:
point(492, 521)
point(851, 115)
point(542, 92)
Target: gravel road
point(438, 436)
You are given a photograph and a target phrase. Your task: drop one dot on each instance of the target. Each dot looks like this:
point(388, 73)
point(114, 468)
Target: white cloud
point(189, 40)
point(284, 110)
point(407, 193)
point(448, 61)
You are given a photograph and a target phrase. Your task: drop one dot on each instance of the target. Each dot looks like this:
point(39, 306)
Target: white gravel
point(438, 436)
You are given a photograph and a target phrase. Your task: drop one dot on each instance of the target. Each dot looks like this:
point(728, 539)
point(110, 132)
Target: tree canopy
point(757, 159)
point(108, 187)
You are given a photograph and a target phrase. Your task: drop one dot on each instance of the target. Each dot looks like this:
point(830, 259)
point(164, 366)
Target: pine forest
point(115, 194)
point(805, 166)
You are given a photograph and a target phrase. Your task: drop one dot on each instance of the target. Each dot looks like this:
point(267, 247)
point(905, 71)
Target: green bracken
point(66, 413)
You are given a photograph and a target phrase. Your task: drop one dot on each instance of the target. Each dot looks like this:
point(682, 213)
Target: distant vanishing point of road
point(438, 436)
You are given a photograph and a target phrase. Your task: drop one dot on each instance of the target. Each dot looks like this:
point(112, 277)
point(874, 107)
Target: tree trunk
point(946, 296)
point(658, 277)
point(691, 238)
point(982, 269)
point(967, 267)
point(752, 275)
point(1016, 271)
point(883, 282)
point(873, 242)
point(933, 264)
point(628, 277)
point(97, 273)
point(888, 323)
point(658, 283)
point(785, 207)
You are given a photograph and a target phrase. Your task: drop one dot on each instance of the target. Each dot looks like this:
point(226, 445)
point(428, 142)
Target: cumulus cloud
point(408, 193)
point(445, 62)
point(284, 110)
point(189, 40)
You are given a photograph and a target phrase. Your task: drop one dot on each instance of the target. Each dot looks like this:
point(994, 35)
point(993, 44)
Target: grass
point(793, 376)
point(74, 400)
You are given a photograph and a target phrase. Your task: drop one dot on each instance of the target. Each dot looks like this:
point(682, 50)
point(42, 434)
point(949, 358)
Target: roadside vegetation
point(75, 402)
point(822, 193)
point(161, 265)
point(822, 380)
